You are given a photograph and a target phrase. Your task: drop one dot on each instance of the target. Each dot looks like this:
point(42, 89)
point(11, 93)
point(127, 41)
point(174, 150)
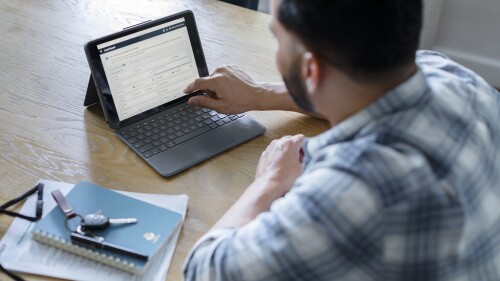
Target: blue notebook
point(148, 235)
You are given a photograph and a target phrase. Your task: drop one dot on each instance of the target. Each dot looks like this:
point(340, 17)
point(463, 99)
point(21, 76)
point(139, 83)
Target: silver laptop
point(138, 76)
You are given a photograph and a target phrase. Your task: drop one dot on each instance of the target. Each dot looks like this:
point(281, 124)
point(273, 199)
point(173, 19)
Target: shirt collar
point(403, 96)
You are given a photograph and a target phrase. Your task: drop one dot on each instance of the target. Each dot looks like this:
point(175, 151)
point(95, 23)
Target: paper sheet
point(18, 252)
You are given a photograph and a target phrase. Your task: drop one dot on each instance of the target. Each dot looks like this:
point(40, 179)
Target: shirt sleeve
point(326, 227)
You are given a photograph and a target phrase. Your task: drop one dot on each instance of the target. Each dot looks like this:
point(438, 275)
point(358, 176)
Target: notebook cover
point(153, 228)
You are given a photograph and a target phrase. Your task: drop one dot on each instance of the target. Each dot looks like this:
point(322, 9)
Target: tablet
point(143, 69)
point(140, 74)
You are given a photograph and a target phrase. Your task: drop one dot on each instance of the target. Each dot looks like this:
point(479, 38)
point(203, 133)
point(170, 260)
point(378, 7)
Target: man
point(404, 186)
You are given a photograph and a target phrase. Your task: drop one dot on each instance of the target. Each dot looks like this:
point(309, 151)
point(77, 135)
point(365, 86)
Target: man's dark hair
point(363, 38)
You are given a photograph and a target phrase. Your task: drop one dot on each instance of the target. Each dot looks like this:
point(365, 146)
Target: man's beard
point(296, 87)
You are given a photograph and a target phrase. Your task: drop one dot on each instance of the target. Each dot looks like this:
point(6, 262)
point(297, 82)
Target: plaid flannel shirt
point(406, 189)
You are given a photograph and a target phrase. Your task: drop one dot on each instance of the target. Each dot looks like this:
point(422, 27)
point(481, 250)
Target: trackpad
point(209, 144)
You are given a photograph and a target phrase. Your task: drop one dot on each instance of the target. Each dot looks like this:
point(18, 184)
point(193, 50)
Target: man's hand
point(229, 90)
point(279, 167)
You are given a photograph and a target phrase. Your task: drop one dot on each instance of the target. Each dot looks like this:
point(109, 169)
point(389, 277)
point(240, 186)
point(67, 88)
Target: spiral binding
point(63, 244)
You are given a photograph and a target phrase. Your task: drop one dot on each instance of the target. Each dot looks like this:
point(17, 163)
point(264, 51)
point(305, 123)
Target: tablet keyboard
point(173, 127)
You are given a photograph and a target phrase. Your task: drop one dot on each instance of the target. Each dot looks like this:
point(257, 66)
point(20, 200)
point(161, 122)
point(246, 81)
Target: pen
point(96, 243)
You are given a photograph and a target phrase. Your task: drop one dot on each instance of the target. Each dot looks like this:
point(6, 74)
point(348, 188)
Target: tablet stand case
point(91, 96)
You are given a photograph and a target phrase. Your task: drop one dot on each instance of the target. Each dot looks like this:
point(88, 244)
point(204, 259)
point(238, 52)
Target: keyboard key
point(226, 120)
point(191, 135)
point(148, 154)
point(205, 115)
point(155, 151)
point(157, 143)
point(163, 147)
point(233, 117)
point(220, 123)
point(133, 140)
point(138, 144)
point(214, 118)
point(145, 148)
point(213, 125)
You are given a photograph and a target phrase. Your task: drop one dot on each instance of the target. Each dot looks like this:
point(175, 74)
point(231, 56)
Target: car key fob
point(100, 221)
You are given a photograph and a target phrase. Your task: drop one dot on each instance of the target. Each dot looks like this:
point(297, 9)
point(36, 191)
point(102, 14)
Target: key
point(99, 221)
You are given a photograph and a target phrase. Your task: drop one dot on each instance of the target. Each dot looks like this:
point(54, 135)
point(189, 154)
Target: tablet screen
point(148, 68)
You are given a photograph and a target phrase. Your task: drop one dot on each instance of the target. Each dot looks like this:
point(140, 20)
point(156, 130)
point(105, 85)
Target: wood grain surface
point(45, 132)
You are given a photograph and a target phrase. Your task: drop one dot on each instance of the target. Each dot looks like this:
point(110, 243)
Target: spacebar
point(191, 135)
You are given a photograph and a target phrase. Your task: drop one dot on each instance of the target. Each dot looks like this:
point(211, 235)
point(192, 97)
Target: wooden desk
point(45, 132)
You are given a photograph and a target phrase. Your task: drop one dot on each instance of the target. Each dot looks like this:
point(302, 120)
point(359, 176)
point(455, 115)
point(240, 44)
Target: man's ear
point(311, 72)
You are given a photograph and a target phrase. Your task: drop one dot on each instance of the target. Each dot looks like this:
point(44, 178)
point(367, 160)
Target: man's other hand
point(280, 165)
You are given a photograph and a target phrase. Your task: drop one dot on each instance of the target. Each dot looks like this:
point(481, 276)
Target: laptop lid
point(140, 71)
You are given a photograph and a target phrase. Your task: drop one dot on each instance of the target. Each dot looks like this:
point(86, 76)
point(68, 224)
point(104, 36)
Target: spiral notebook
point(149, 235)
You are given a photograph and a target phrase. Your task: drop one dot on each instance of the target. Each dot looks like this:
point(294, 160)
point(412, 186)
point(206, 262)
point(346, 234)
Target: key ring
point(68, 211)
point(67, 219)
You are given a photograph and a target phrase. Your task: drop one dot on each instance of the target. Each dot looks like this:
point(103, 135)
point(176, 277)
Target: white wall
point(466, 30)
